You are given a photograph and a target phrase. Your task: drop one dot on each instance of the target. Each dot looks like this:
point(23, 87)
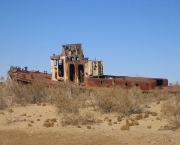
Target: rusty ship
point(72, 67)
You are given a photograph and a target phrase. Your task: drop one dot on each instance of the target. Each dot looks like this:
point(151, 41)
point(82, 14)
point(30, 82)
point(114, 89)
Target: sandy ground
point(23, 125)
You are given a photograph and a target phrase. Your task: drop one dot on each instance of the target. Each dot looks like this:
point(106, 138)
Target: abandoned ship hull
point(72, 67)
point(126, 82)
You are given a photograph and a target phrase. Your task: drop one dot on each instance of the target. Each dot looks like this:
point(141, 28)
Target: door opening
point(81, 73)
point(72, 72)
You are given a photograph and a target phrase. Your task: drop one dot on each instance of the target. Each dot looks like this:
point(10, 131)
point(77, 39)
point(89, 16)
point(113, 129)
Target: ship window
point(61, 68)
point(55, 62)
point(101, 82)
point(72, 58)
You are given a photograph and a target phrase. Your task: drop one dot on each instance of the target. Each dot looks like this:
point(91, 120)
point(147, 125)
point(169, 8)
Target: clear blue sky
point(132, 37)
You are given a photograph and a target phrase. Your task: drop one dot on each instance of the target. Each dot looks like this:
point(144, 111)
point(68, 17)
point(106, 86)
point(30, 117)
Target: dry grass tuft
point(128, 122)
point(88, 127)
point(146, 106)
point(77, 119)
point(47, 120)
point(139, 117)
point(125, 127)
point(31, 121)
point(53, 120)
point(23, 104)
point(106, 118)
point(48, 124)
point(29, 124)
point(149, 127)
point(146, 115)
point(135, 123)
point(24, 114)
point(38, 104)
point(78, 126)
point(158, 118)
point(119, 118)
point(115, 122)
point(153, 113)
point(100, 121)
point(43, 104)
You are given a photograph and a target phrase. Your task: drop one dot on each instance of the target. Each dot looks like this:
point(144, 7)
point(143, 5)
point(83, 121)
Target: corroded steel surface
point(72, 67)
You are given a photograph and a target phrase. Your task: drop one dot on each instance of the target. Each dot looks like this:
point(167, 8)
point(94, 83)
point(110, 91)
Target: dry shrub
point(66, 99)
point(171, 110)
point(77, 119)
point(6, 96)
point(19, 92)
point(157, 95)
point(29, 93)
point(3, 104)
point(119, 100)
point(67, 104)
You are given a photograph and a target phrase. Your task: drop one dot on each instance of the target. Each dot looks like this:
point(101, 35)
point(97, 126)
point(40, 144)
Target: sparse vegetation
point(125, 102)
point(171, 110)
point(77, 119)
point(70, 101)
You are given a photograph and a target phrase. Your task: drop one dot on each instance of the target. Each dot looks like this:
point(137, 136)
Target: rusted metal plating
point(72, 67)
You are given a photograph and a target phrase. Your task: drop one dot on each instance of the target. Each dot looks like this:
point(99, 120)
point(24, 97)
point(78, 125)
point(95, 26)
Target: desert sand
point(23, 125)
